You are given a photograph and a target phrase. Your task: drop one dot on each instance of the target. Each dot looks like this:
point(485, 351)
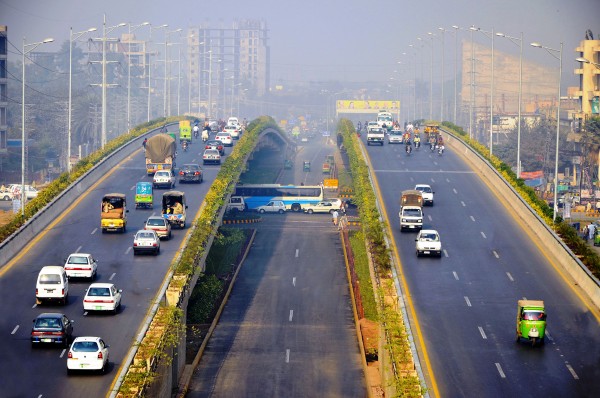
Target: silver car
point(146, 241)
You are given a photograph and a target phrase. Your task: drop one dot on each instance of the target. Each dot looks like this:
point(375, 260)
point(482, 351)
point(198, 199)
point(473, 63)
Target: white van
point(236, 203)
point(52, 285)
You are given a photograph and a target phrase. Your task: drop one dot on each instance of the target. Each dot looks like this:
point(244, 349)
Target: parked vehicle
point(323, 207)
point(102, 297)
point(52, 328)
point(236, 203)
point(274, 206)
point(531, 321)
point(87, 353)
point(113, 216)
point(81, 265)
point(52, 285)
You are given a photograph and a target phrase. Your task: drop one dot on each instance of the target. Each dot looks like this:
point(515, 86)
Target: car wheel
point(135, 252)
point(6, 198)
point(69, 372)
point(309, 211)
point(296, 207)
point(262, 211)
point(418, 254)
point(281, 211)
point(65, 299)
point(103, 370)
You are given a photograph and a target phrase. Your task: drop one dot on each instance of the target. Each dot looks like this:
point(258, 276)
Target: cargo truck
point(160, 153)
point(411, 210)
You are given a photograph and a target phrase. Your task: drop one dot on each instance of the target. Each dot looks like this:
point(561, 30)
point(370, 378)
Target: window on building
point(2, 69)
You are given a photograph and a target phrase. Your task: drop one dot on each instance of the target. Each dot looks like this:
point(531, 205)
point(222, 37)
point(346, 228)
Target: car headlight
point(419, 220)
point(404, 220)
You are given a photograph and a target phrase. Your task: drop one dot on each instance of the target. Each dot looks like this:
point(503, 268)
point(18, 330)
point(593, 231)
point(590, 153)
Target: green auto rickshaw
point(288, 164)
point(143, 195)
point(531, 321)
point(306, 165)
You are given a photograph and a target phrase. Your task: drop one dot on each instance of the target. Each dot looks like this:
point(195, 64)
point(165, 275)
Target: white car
point(211, 156)
point(163, 178)
point(102, 297)
point(146, 240)
point(225, 138)
point(428, 243)
point(234, 131)
point(372, 125)
point(87, 353)
point(81, 265)
point(30, 192)
point(325, 206)
point(274, 206)
point(426, 192)
point(52, 285)
point(396, 137)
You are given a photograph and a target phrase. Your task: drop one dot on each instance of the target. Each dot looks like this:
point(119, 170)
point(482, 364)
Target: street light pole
point(472, 90)
point(442, 95)
point(72, 37)
point(551, 51)
point(491, 35)
point(455, 70)
point(27, 48)
point(150, 68)
point(520, 39)
point(129, 70)
point(431, 80)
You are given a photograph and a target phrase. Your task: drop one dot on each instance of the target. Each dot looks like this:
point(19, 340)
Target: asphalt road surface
point(28, 372)
point(287, 329)
point(466, 302)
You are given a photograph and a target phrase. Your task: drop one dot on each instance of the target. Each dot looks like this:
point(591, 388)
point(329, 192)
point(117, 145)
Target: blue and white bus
point(295, 197)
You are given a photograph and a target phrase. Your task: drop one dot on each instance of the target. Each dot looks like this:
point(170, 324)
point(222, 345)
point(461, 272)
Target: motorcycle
point(417, 144)
point(440, 150)
point(196, 132)
point(184, 146)
point(204, 135)
point(408, 149)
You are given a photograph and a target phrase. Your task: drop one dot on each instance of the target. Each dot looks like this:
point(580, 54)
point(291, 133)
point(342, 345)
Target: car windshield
point(191, 168)
point(156, 221)
point(99, 291)
point(85, 346)
point(145, 235)
point(412, 212)
point(534, 316)
point(430, 237)
point(162, 174)
point(78, 260)
point(50, 279)
point(47, 323)
point(424, 189)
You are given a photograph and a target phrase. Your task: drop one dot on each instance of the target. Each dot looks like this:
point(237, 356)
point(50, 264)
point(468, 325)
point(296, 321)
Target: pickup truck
point(376, 136)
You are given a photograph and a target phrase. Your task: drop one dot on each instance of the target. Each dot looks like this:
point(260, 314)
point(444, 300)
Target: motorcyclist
point(408, 147)
point(196, 130)
point(440, 149)
point(358, 127)
point(184, 145)
point(417, 141)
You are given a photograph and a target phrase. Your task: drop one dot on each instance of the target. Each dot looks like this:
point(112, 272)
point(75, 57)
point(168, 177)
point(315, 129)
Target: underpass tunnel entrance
point(268, 158)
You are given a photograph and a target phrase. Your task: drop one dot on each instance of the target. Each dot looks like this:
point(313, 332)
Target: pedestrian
point(591, 231)
point(335, 215)
point(585, 233)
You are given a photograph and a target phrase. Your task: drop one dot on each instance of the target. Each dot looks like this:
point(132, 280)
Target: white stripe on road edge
point(85, 313)
point(547, 334)
point(112, 276)
point(128, 250)
point(482, 332)
point(455, 275)
point(500, 370)
point(454, 190)
point(294, 281)
point(62, 353)
point(291, 314)
point(510, 276)
point(287, 356)
point(445, 253)
point(463, 204)
point(496, 254)
point(447, 180)
point(482, 234)
point(79, 248)
point(94, 231)
point(572, 371)
point(468, 301)
point(472, 218)
point(429, 217)
point(15, 329)
point(297, 253)
point(35, 305)
point(132, 188)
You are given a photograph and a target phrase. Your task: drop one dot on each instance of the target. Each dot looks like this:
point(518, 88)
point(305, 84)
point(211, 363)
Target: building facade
point(3, 88)
point(589, 80)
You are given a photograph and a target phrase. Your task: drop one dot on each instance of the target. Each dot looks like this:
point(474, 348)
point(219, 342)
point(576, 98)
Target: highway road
point(287, 329)
point(41, 372)
point(466, 302)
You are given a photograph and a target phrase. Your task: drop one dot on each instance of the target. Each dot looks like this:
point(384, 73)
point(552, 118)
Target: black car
point(215, 144)
point(191, 173)
point(53, 328)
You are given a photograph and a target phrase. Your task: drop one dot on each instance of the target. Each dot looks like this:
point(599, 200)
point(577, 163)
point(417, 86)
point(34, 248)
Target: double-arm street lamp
point(27, 48)
point(490, 35)
point(150, 66)
point(552, 52)
point(72, 37)
point(167, 33)
point(587, 61)
point(131, 29)
point(520, 44)
point(430, 77)
point(442, 82)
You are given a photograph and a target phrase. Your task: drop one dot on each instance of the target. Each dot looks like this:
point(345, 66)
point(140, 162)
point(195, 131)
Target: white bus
point(385, 117)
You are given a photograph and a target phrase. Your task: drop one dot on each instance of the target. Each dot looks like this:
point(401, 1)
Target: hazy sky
point(327, 39)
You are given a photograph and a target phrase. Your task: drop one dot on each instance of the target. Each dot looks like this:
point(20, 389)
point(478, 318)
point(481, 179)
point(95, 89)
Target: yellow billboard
point(370, 105)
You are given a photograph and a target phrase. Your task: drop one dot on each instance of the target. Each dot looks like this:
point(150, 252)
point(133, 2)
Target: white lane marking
point(112, 276)
point(482, 234)
point(432, 180)
point(572, 371)
point(62, 353)
point(294, 281)
point(287, 355)
point(297, 251)
point(447, 180)
point(79, 248)
point(94, 231)
point(85, 313)
point(496, 254)
point(510, 276)
point(291, 314)
point(500, 370)
point(35, 305)
point(435, 163)
point(547, 334)
point(429, 217)
point(15, 330)
point(132, 188)
point(482, 332)
point(454, 190)
point(128, 250)
point(445, 253)
point(463, 204)
point(40, 396)
point(468, 301)
point(455, 275)
point(412, 179)
point(472, 218)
